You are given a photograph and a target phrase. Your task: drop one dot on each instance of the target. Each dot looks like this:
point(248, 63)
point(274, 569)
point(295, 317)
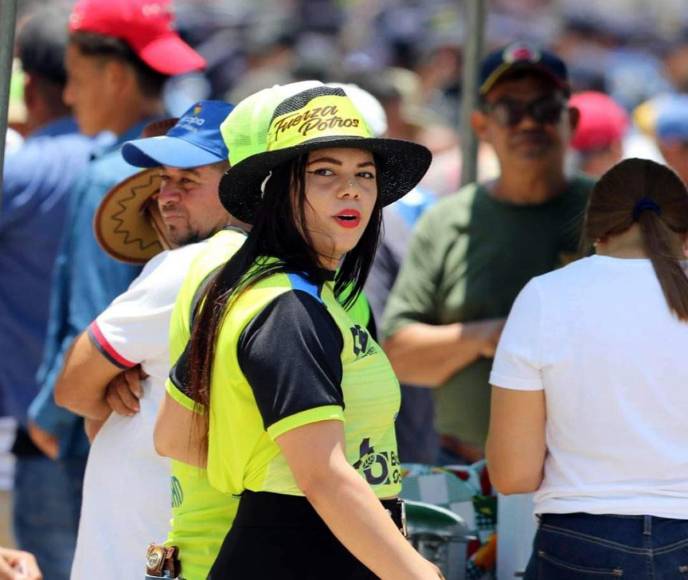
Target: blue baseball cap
point(195, 140)
point(672, 118)
point(522, 56)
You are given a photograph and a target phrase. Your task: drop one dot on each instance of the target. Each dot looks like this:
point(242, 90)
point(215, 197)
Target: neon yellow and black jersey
point(201, 515)
point(287, 355)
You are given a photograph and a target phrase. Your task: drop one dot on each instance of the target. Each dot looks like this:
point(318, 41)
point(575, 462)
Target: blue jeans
point(586, 547)
point(47, 504)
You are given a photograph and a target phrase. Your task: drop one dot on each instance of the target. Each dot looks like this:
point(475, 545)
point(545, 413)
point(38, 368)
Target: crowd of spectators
point(627, 77)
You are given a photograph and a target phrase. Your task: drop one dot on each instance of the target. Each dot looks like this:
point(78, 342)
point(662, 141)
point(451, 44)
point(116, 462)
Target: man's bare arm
point(83, 382)
point(428, 355)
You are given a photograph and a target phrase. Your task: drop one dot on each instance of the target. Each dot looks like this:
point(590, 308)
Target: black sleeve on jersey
point(291, 355)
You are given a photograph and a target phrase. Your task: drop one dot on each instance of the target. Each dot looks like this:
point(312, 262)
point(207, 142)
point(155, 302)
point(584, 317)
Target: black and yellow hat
point(319, 117)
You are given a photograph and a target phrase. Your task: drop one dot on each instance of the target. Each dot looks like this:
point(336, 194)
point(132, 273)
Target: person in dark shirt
point(37, 181)
point(472, 252)
point(118, 56)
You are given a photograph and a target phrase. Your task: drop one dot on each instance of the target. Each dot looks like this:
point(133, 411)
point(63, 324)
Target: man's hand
point(124, 391)
point(46, 442)
point(488, 333)
point(18, 565)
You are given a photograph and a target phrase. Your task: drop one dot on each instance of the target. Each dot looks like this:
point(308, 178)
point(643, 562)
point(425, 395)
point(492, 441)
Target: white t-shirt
point(126, 495)
point(599, 338)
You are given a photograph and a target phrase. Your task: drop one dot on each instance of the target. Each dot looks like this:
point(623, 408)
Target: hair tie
point(645, 203)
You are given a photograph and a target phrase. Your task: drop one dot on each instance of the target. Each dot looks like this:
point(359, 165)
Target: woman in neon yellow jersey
point(201, 514)
point(302, 401)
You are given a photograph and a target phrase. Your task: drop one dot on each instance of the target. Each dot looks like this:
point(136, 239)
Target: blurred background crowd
point(409, 54)
point(627, 63)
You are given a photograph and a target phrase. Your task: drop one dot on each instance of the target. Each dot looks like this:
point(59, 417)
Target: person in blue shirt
point(114, 84)
point(38, 177)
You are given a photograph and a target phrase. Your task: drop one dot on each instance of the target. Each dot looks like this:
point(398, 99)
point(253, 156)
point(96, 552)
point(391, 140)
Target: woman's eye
point(366, 175)
point(323, 171)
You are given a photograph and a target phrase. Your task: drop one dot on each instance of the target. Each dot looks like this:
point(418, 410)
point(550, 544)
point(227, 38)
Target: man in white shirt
point(126, 496)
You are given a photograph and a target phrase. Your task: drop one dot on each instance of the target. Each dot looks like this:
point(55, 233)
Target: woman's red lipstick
point(348, 218)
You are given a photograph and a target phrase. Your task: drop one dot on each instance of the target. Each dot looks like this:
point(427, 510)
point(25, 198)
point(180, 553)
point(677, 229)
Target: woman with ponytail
point(590, 390)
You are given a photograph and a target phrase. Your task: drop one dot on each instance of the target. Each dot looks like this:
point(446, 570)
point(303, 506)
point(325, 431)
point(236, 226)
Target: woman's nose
point(351, 188)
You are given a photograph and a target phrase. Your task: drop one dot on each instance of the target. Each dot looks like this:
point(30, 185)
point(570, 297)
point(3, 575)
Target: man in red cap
point(119, 55)
point(602, 125)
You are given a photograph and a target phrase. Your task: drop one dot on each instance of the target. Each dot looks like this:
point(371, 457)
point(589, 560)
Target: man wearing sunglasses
point(473, 251)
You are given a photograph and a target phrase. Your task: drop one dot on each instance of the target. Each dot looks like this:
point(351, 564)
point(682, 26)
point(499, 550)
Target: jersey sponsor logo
point(363, 346)
point(177, 492)
point(378, 468)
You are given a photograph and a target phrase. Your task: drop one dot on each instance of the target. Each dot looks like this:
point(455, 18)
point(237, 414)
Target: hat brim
point(165, 150)
point(121, 225)
point(170, 55)
point(401, 165)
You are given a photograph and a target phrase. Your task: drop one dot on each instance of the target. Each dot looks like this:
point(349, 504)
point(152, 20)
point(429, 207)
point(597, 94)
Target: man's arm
point(429, 355)
point(422, 352)
point(82, 385)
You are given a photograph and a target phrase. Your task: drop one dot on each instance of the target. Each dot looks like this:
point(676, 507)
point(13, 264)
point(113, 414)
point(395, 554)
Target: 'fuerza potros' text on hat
point(145, 25)
point(522, 56)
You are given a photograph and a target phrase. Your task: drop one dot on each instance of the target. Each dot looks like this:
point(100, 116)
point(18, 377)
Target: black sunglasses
point(544, 111)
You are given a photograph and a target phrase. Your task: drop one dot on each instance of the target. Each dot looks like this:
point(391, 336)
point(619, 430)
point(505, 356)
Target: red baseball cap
point(602, 121)
point(145, 25)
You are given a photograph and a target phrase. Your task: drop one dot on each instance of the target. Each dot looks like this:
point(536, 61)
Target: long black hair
point(275, 244)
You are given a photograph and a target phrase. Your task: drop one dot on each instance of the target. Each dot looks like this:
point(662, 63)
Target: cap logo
point(520, 52)
point(324, 116)
point(192, 122)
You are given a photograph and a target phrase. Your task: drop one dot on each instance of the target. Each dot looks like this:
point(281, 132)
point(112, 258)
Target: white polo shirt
point(598, 337)
point(126, 495)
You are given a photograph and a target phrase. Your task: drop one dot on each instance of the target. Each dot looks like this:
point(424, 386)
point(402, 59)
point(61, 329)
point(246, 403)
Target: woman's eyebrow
point(337, 162)
point(327, 159)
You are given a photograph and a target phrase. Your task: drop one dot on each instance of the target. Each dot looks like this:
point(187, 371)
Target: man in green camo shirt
point(473, 251)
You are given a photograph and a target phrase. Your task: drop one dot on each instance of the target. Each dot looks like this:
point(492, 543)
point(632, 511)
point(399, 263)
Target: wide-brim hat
point(127, 223)
point(314, 119)
point(123, 225)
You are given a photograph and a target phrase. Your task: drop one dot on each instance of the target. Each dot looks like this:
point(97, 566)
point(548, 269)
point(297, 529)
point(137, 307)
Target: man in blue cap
point(121, 361)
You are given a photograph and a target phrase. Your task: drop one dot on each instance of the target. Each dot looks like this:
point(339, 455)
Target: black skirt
point(281, 537)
